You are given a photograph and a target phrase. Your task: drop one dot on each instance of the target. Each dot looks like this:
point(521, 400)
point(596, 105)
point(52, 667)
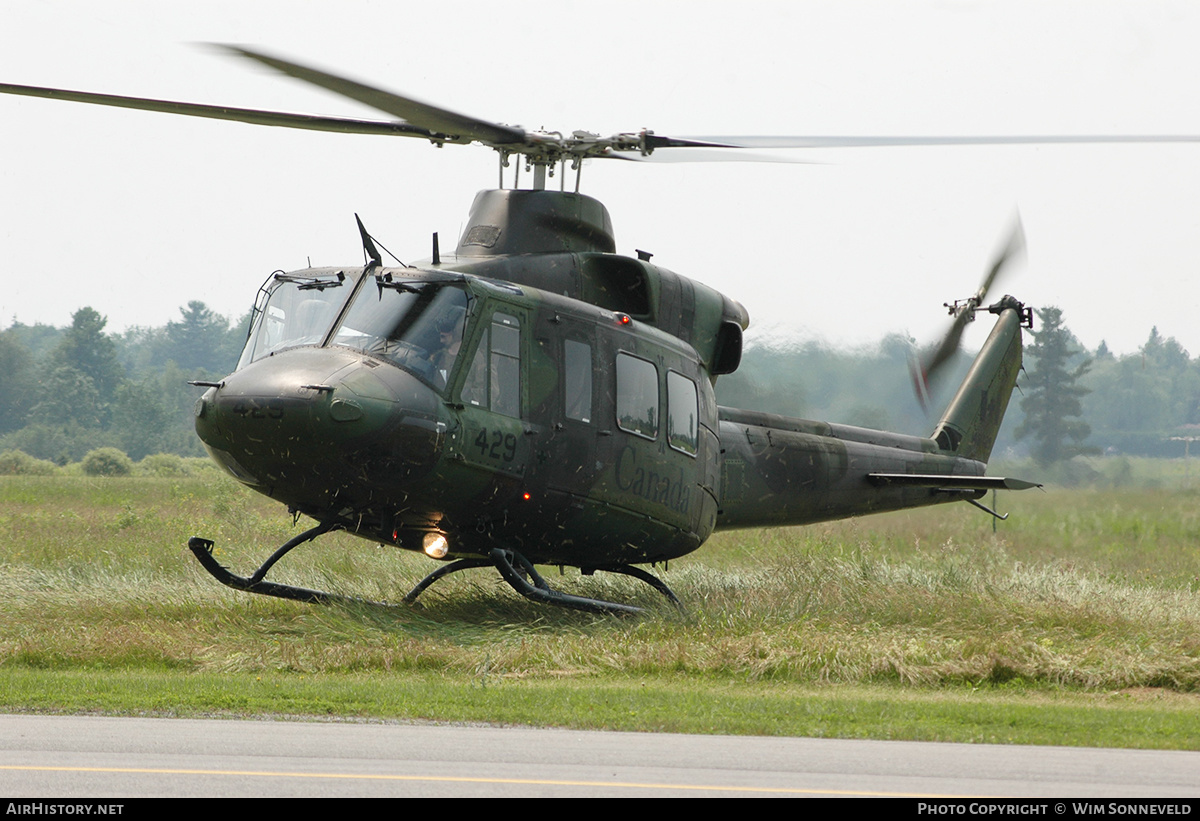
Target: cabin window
point(577, 380)
point(682, 411)
point(494, 380)
point(637, 396)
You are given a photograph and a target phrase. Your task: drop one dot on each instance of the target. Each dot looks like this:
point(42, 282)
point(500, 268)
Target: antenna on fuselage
point(369, 246)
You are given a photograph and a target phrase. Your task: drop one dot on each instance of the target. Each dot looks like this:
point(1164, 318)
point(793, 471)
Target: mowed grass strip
point(1146, 719)
point(916, 625)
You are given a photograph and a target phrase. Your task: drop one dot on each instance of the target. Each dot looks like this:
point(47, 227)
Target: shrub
point(20, 463)
point(107, 462)
point(164, 464)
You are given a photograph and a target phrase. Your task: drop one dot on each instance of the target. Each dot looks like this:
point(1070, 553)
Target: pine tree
point(82, 374)
point(1052, 401)
point(198, 341)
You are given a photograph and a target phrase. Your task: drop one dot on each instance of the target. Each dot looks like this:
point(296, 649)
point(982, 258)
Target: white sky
point(136, 213)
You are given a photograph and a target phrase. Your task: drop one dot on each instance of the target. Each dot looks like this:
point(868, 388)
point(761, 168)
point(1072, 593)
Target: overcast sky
point(136, 213)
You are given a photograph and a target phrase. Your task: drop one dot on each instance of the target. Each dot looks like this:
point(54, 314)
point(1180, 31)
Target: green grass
point(648, 704)
point(1077, 622)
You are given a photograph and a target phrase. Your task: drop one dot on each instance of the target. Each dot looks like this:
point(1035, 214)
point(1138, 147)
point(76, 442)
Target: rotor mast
point(543, 150)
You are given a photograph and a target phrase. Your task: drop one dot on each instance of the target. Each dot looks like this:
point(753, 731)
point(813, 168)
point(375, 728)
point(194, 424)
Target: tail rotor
point(927, 368)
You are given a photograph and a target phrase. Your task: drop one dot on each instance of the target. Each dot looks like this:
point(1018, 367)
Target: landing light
point(435, 545)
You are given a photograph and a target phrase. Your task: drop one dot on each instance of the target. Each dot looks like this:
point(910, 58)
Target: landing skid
point(519, 572)
point(202, 549)
point(513, 567)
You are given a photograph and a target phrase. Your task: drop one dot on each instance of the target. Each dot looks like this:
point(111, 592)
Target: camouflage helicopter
point(534, 398)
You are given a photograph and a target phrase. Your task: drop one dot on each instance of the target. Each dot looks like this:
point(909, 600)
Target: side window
point(637, 396)
point(577, 381)
point(682, 412)
point(494, 380)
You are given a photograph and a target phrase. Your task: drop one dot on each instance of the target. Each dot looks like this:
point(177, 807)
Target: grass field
point(1077, 622)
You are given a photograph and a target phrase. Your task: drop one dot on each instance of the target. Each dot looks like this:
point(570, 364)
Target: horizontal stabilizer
point(950, 482)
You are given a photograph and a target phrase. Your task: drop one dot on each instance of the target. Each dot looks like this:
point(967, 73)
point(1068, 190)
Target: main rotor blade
point(415, 112)
point(654, 141)
point(708, 155)
point(311, 122)
point(886, 141)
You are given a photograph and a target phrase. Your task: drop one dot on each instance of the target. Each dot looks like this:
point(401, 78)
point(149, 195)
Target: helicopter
point(534, 398)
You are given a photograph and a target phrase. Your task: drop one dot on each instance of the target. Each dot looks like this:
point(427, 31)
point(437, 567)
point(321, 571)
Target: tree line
point(1069, 401)
point(66, 391)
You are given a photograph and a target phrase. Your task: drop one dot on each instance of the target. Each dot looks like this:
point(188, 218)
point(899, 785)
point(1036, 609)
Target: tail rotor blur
point(927, 368)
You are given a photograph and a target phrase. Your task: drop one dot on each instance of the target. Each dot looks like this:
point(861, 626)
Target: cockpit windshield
point(416, 325)
point(297, 311)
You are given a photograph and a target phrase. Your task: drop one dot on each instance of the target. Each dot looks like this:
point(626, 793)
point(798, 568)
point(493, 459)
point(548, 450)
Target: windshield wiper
point(313, 283)
point(408, 286)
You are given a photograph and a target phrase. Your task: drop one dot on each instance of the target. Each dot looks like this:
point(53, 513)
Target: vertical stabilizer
point(969, 425)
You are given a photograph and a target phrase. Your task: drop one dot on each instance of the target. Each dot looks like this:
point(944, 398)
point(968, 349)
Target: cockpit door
point(492, 393)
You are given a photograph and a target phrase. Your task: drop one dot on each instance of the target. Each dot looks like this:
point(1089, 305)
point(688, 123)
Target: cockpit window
point(297, 311)
point(415, 325)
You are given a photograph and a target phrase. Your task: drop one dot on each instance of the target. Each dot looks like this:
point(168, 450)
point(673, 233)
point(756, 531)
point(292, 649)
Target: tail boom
point(779, 471)
point(782, 471)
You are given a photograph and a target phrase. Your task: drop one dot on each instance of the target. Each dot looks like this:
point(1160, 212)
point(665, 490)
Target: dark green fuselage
point(571, 418)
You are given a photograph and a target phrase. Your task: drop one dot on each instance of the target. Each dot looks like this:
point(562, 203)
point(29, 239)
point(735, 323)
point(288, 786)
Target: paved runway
point(99, 757)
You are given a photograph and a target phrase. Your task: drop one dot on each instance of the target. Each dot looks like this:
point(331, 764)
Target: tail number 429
point(496, 444)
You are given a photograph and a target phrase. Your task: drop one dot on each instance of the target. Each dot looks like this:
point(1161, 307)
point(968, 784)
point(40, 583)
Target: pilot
point(450, 330)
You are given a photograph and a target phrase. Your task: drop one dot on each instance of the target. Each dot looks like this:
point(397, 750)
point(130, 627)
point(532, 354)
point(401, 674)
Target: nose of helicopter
point(320, 427)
